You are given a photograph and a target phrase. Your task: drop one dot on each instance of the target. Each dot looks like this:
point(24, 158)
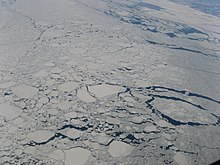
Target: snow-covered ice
point(101, 82)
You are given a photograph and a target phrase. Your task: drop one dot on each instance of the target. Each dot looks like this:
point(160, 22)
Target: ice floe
point(68, 86)
point(79, 156)
point(85, 96)
point(25, 91)
point(119, 149)
point(9, 112)
point(180, 159)
point(103, 90)
point(40, 136)
point(7, 84)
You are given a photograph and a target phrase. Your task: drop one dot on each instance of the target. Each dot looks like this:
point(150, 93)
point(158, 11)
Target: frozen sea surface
point(103, 82)
point(206, 6)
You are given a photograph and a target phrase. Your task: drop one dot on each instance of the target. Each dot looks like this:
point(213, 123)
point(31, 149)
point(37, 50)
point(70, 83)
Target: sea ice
point(78, 156)
point(149, 129)
point(119, 149)
point(40, 136)
point(7, 84)
point(180, 159)
point(73, 133)
point(40, 74)
point(25, 91)
point(68, 86)
point(103, 90)
point(85, 96)
point(9, 112)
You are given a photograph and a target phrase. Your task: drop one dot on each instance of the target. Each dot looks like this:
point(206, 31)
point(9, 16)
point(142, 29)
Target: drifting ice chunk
point(104, 90)
point(85, 96)
point(111, 120)
point(9, 112)
point(40, 74)
point(119, 149)
point(149, 129)
point(102, 139)
point(137, 119)
point(71, 115)
point(43, 100)
point(73, 133)
point(64, 105)
point(68, 86)
point(79, 156)
point(25, 91)
point(7, 84)
point(40, 136)
point(57, 155)
point(180, 159)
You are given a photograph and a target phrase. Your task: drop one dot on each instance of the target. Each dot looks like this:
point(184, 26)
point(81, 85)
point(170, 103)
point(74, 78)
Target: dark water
point(206, 6)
